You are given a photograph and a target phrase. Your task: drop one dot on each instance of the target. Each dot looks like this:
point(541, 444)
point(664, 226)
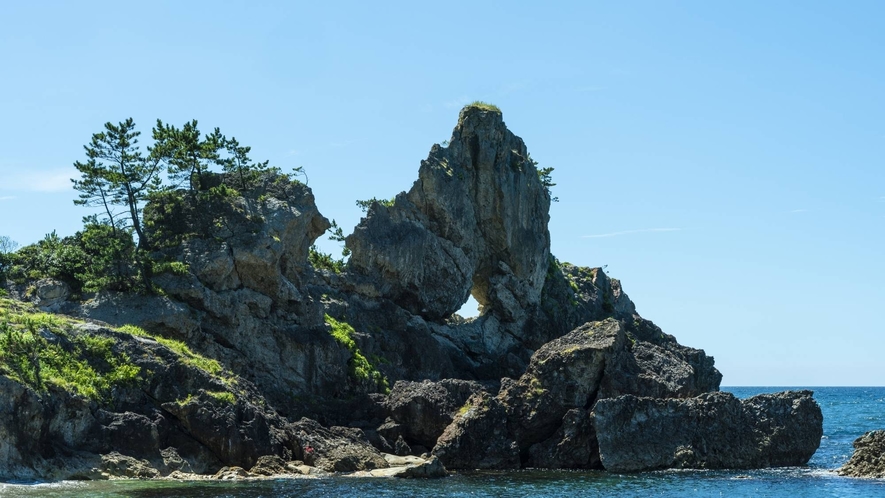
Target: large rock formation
point(237, 286)
point(868, 459)
point(711, 431)
point(547, 410)
point(475, 222)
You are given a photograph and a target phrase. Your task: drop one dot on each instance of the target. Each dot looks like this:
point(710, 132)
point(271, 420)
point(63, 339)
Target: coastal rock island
point(251, 356)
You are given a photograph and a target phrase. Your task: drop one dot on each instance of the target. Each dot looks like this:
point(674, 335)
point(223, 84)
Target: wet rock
point(116, 465)
point(335, 452)
point(868, 459)
point(714, 430)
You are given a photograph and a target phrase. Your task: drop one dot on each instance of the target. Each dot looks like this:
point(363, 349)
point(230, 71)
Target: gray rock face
point(58, 434)
point(478, 438)
point(335, 450)
point(711, 431)
point(546, 409)
point(474, 222)
point(868, 459)
point(425, 409)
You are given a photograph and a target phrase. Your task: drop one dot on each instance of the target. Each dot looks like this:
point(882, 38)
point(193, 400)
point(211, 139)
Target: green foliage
point(173, 267)
point(223, 396)
point(484, 106)
point(98, 257)
point(365, 205)
point(358, 365)
point(545, 175)
point(324, 261)
point(37, 349)
point(195, 360)
point(116, 173)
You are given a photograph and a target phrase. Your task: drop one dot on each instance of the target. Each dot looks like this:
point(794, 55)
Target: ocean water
point(848, 413)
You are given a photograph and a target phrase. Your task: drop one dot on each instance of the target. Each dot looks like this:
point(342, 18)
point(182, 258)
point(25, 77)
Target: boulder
point(478, 438)
point(335, 451)
point(425, 409)
point(868, 459)
point(711, 431)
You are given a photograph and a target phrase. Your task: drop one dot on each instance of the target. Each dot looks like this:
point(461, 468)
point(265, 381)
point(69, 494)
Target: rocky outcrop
point(475, 222)
point(546, 411)
point(182, 413)
point(711, 431)
point(536, 380)
point(425, 409)
point(479, 437)
point(337, 449)
point(868, 459)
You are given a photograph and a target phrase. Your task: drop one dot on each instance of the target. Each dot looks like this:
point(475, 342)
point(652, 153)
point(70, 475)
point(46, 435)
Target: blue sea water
point(848, 413)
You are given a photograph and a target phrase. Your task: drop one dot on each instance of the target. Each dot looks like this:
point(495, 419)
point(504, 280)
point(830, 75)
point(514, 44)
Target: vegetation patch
point(195, 360)
point(223, 396)
point(39, 349)
point(358, 365)
point(485, 106)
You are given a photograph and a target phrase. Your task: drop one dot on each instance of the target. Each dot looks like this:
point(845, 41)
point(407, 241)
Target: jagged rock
point(50, 294)
point(425, 409)
point(478, 438)
point(231, 474)
point(335, 451)
point(572, 446)
point(116, 465)
point(474, 222)
point(713, 430)
point(546, 408)
point(868, 459)
point(58, 433)
point(270, 465)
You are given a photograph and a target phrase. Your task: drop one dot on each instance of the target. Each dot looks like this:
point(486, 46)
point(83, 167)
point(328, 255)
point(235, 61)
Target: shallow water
point(848, 413)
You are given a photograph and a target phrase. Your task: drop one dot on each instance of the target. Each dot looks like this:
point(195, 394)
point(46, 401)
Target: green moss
point(39, 349)
point(358, 365)
point(195, 360)
point(484, 106)
point(223, 396)
point(464, 409)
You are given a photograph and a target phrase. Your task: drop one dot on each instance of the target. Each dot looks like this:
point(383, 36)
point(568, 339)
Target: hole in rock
point(469, 309)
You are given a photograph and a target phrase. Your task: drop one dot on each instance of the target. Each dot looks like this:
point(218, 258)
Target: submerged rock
point(868, 459)
point(710, 431)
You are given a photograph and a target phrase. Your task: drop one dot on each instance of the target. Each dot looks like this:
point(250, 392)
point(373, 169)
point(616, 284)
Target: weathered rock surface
point(475, 222)
point(478, 438)
point(546, 409)
point(554, 342)
point(336, 449)
point(425, 409)
point(710, 431)
point(868, 459)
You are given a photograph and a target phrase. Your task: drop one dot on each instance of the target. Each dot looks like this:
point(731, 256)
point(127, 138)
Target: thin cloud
point(58, 180)
point(799, 211)
point(627, 232)
point(457, 103)
point(7, 198)
point(591, 88)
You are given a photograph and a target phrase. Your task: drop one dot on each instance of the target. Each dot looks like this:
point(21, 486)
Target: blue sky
point(724, 159)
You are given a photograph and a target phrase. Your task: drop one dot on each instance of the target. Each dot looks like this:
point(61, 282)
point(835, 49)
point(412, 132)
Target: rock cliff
point(547, 376)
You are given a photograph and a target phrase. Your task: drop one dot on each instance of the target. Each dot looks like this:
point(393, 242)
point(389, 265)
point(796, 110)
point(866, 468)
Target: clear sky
point(724, 159)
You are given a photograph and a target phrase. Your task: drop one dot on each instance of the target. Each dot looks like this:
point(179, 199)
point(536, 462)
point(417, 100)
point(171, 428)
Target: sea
point(848, 413)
